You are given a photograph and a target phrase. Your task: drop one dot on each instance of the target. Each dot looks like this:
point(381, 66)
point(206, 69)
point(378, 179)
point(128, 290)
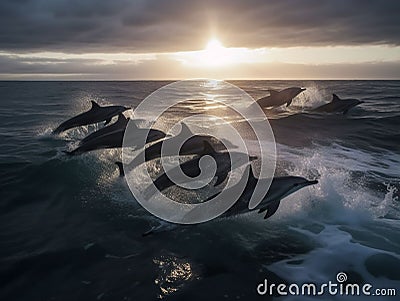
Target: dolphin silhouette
point(192, 169)
point(338, 105)
point(278, 98)
point(280, 188)
point(112, 137)
point(94, 115)
point(193, 145)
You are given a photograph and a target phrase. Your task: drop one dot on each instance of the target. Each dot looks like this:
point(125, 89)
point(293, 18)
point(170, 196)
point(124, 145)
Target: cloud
point(79, 26)
point(165, 67)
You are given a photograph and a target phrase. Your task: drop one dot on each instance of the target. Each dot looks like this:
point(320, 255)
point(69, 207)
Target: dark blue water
point(71, 230)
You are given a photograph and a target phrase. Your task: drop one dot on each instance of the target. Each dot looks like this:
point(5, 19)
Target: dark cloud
point(160, 25)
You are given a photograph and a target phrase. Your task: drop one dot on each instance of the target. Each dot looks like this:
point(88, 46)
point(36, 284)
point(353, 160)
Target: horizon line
point(231, 79)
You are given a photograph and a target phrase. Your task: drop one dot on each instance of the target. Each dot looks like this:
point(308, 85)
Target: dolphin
point(280, 188)
point(278, 98)
point(94, 115)
point(194, 145)
point(119, 125)
point(338, 105)
point(192, 169)
point(112, 137)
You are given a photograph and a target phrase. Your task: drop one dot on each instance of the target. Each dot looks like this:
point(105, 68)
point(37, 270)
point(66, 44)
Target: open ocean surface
point(71, 230)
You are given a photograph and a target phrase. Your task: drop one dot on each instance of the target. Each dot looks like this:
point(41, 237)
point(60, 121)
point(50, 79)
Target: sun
point(215, 53)
point(214, 45)
point(216, 56)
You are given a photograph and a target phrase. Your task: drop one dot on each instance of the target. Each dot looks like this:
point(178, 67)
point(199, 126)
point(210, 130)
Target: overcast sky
point(157, 39)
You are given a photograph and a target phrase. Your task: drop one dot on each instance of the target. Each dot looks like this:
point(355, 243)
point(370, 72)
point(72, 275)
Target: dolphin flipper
point(107, 121)
point(289, 102)
point(219, 181)
point(272, 209)
point(120, 168)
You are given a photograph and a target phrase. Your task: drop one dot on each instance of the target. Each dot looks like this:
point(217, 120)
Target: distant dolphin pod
point(278, 98)
point(338, 105)
point(94, 115)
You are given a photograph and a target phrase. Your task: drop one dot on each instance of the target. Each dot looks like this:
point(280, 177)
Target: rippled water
point(70, 228)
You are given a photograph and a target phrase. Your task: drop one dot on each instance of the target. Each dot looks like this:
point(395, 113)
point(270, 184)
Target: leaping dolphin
point(194, 145)
point(280, 188)
point(112, 137)
point(338, 105)
point(192, 169)
point(278, 98)
point(94, 115)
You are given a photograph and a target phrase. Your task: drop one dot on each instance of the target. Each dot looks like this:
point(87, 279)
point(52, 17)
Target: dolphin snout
point(313, 182)
point(303, 89)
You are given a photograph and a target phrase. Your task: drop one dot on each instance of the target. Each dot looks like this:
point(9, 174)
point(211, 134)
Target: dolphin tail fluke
point(120, 168)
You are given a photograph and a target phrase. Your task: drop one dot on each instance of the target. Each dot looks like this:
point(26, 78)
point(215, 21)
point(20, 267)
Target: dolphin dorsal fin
point(272, 92)
point(94, 104)
point(185, 131)
point(335, 97)
point(207, 148)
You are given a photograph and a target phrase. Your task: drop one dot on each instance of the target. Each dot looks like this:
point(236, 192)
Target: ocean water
point(71, 229)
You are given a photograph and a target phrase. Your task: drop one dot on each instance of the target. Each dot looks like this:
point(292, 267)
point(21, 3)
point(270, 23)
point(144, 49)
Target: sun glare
point(214, 53)
point(214, 46)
